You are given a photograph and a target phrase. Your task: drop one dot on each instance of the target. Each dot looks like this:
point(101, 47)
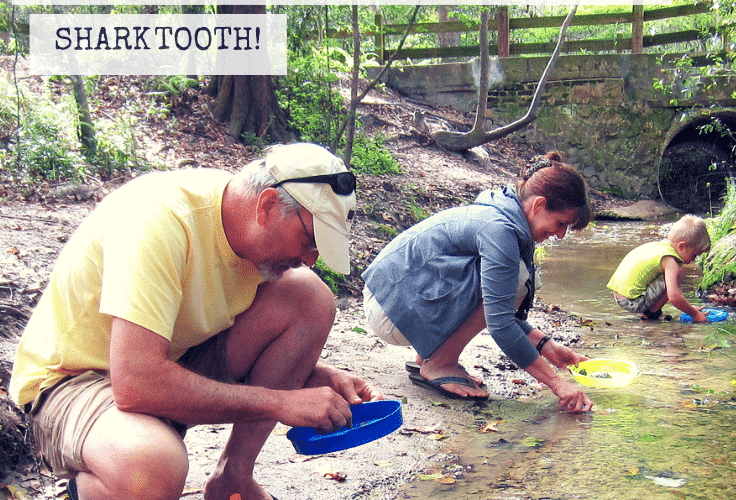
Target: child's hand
point(699, 316)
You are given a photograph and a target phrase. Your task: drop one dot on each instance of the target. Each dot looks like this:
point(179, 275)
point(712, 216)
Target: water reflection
point(669, 435)
point(575, 271)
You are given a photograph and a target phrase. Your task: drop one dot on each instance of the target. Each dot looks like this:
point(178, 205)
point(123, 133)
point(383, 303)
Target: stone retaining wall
point(600, 112)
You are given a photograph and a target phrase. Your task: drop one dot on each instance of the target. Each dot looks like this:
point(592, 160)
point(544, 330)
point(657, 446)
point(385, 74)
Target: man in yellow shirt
point(185, 298)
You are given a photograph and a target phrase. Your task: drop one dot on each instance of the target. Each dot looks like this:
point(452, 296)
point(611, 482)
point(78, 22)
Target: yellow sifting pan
point(605, 373)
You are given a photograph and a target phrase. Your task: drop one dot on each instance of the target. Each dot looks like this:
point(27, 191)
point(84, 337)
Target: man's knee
point(304, 293)
point(137, 456)
point(158, 472)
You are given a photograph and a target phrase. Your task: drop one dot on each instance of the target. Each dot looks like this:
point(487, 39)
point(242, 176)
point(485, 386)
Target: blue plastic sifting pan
point(713, 316)
point(371, 421)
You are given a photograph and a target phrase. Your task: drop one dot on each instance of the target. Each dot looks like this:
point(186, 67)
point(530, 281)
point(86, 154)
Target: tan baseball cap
point(331, 211)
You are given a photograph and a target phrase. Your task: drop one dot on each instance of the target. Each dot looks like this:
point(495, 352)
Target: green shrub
point(370, 157)
point(172, 84)
point(725, 223)
point(417, 211)
point(720, 266)
point(44, 147)
point(314, 108)
point(387, 231)
point(330, 277)
point(48, 148)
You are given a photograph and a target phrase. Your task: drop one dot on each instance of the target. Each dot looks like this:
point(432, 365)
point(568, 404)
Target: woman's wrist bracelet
point(541, 343)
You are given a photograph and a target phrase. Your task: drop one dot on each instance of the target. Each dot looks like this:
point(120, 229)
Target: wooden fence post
point(504, 49)
point(380, 39)
point(637, 30)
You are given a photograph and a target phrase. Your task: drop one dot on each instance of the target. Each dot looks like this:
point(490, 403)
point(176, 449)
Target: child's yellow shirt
point(640, 267)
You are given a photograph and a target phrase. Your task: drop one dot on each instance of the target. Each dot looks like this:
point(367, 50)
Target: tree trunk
point(454, 141)
point(447, 39)
point(86, 129)
point(248, 102)
point(356, 99)
point(352, 110)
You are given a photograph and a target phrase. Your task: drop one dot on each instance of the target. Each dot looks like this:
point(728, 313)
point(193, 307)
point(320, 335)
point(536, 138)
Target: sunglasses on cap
point(341, 183)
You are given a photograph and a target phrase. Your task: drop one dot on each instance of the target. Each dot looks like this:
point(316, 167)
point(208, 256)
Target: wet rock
point(640, 210)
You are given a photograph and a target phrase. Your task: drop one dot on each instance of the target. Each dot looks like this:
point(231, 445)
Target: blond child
point(651, 274)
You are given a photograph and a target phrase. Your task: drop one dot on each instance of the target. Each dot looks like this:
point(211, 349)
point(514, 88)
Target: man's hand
point(325, 402)
point(319, 407)
point(354, 389)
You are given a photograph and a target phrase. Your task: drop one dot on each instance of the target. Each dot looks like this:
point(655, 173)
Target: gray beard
point(273, 271)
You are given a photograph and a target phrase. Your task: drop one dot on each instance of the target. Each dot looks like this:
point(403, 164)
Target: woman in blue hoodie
point(439, 283)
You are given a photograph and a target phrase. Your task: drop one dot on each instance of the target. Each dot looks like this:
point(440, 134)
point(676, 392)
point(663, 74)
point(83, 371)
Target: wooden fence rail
point(504, 25)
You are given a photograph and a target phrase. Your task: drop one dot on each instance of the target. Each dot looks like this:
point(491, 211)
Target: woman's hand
point(571, 398)
point(561, 356)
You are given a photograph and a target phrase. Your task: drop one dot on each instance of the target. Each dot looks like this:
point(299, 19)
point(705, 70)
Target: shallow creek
point(668, 435)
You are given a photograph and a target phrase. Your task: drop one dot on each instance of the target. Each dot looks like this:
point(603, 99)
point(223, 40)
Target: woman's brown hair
point(560, 184)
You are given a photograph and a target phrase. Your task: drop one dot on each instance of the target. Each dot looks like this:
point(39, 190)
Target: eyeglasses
point(310, 237)
point(341, 183)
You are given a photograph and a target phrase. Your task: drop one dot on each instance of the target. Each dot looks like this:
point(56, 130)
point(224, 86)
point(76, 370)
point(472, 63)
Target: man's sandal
point(71, 489)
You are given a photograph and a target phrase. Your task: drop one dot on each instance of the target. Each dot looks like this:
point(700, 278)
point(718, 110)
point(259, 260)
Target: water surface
point(669, 435)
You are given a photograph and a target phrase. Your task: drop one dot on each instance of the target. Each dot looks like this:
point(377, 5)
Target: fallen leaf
point(431, 477)
point(11, 492)
point(328, 472)
point(439, 403)
point(438, 437)
point(490, 427)
point(531, 442)
point(446, 480)
point(382, 463)
point(433, 429)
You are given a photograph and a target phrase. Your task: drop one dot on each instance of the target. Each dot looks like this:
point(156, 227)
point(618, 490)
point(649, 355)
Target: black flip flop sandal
point(413, 367)
point(436, 385)
point(71, 489)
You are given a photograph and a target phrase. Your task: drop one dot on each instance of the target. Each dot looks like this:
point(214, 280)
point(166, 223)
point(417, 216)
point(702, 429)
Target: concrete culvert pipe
point(693, 176)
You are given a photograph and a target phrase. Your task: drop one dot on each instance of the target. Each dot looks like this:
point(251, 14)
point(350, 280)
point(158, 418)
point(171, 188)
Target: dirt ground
point(35, 226)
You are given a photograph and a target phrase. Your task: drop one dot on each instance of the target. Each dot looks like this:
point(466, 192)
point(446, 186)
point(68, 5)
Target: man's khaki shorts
point(63, 414)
